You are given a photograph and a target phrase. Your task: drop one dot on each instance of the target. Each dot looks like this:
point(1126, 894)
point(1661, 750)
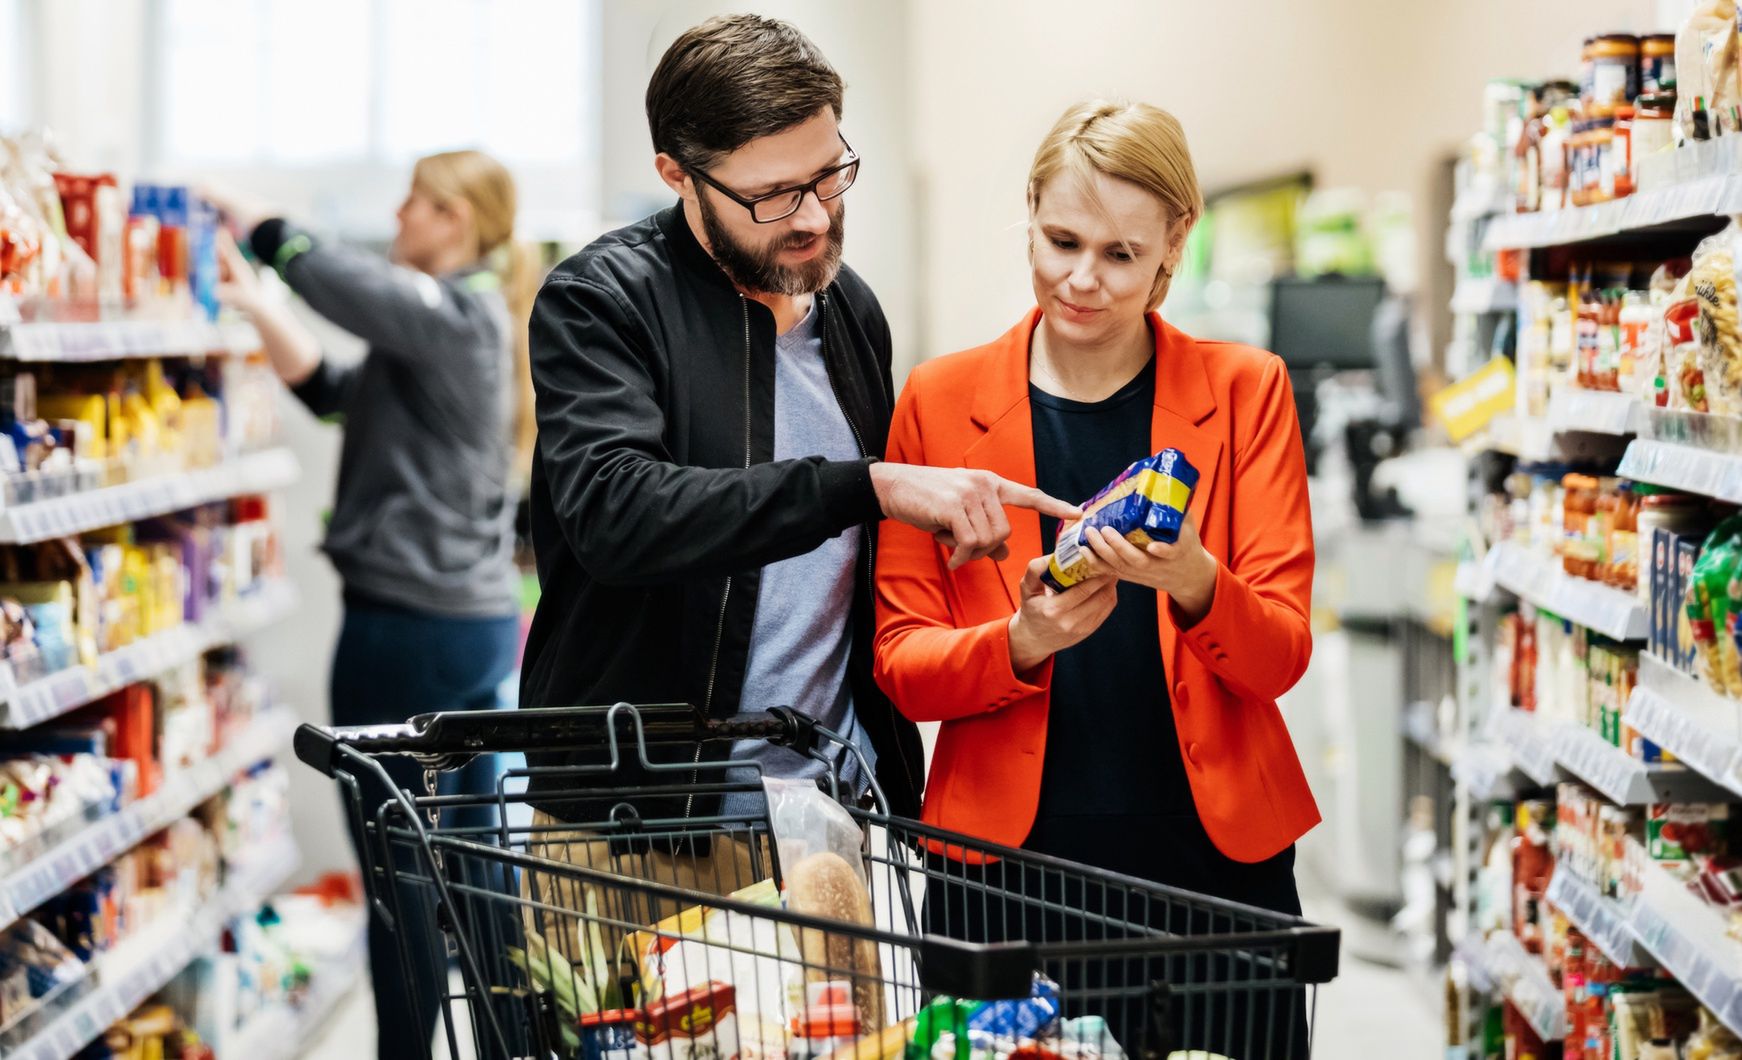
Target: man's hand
point(1049, 622)
point(962, 507)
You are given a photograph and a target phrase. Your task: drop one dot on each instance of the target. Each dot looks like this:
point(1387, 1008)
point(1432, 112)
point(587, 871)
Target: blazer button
point(1192, 752)
point(1183, 694)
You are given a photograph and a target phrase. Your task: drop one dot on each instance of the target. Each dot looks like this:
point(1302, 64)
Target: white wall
point(1369, 93)
point(867, 43)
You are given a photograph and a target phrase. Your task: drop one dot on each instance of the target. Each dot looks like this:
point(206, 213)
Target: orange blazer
point(943, 651)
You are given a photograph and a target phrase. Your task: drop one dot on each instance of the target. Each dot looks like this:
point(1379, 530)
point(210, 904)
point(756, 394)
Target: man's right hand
point(1049, 622)
point(962, 507)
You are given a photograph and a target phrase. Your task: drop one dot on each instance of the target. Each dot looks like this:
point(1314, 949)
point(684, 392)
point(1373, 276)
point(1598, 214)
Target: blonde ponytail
point(488, 186)
point(520, 282)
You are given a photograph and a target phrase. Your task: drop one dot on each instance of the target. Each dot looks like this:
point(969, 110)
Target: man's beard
point(758, 270)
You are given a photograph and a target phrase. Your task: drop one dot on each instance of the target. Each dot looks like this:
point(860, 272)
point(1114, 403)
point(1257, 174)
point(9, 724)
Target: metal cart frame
point(567, 934)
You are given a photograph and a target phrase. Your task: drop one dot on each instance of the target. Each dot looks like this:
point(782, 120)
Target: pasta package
point(1713, 284)
point(1146, 503)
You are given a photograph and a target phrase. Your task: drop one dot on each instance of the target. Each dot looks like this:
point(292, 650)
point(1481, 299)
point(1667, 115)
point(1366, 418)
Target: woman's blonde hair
point(1131, 141)
point(488, 187)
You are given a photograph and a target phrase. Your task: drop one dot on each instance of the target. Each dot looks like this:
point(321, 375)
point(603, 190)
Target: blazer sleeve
point(929, 667)
point(1257, 636)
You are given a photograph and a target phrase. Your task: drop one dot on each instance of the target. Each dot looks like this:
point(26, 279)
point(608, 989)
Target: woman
point(1129, 722)
point(437, 419)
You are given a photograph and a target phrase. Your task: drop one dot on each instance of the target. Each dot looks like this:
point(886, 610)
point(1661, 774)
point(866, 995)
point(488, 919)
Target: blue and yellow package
point(1146, 503)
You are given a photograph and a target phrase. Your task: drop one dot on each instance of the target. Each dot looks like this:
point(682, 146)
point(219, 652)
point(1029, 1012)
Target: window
point(16, 68)
point(325, 104)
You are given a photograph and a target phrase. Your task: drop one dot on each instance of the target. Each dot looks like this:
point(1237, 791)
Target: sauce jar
point(1657, 63)
point(1621, 160)
point(1614, 78)
point(1653, 119)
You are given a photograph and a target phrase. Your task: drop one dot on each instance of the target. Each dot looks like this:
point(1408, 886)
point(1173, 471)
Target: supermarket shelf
point(283, 1033)
point(1531, 746)
point(1484, 295)
point(1595, 411)
point(1539, 579)
point(1624, 780)
point(1473, 581)
point(1700, 727)
point(1486, 771)
point(75, 513)
point(98, 844)
point(1698, 200)
point(1418, 729)
point(142, 966)
point(1525, 982)
point(122, 340)
point(1689, 939)
point(1602, 920)
point(33, 702)
point(1685, 468)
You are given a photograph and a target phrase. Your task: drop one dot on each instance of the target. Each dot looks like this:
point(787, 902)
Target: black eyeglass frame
point(810, 188)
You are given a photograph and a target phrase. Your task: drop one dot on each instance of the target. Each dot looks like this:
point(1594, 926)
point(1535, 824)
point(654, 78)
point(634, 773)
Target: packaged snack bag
point(1146, 503)
point(1708, 607)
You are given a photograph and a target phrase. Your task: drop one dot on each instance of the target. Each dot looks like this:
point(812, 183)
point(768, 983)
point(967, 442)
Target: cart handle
point(449, 739)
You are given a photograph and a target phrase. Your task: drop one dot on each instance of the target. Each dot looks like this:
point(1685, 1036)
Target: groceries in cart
point(624, 935)
point(1146, 503)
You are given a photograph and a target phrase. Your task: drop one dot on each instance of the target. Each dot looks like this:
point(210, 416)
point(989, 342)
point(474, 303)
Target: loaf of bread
point(823, 885)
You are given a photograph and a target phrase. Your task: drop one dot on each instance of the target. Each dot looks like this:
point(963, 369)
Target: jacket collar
point(1182, 386)
point(687, 249)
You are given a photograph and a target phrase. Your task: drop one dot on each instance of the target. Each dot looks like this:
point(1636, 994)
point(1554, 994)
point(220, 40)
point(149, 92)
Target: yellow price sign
point(1468, 405)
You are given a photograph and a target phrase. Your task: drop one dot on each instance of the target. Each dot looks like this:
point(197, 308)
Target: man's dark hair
point(732, 79)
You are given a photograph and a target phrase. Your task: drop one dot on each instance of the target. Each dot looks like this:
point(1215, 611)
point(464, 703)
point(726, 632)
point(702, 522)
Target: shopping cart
point(617, 937)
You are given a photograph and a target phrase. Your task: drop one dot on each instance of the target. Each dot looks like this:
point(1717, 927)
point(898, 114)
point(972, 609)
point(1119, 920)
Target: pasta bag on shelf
point(1713, 282)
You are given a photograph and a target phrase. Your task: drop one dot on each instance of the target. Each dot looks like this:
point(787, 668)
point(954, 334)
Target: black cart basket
point(607, 934)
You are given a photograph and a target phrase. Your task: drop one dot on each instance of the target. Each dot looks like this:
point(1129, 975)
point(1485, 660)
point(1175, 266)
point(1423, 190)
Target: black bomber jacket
point(655, 501)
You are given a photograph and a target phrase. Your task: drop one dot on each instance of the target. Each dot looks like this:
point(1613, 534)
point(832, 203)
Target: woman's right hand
point(1048, 621)
point(238, 285)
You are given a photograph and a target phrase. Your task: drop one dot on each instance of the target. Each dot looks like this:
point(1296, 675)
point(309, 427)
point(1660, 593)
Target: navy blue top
point(1111, 750)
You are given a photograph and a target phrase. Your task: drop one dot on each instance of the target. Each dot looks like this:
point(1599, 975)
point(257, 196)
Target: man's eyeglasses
point(776, 205)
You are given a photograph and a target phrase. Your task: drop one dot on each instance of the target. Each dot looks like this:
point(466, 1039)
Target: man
point(713, 393)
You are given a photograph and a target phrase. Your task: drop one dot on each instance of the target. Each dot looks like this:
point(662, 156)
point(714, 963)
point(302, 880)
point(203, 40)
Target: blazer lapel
point(1184, 403)
point(1000, 407)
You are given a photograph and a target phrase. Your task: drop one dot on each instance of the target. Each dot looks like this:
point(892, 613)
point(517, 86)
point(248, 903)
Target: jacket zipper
point(726, 595)
point(865, 558)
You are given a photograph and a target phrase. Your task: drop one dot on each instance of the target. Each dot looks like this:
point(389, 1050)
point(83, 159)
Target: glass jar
point(1673, 513)
point(1614, 79)
point(1619, 176)
point(1657, 63)
point(1578, 507)
point(1653, 119)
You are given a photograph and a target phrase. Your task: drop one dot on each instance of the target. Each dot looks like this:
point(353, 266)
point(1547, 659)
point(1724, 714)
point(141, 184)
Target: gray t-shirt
point(801, 636)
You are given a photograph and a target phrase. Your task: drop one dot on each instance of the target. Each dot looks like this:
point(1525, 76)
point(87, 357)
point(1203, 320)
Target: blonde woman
point(438, 423)
point(1129, 722)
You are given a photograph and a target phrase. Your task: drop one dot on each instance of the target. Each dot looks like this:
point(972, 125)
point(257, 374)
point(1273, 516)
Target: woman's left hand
point(1184, 570)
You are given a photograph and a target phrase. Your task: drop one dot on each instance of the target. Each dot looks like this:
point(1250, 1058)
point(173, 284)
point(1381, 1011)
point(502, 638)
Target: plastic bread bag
point(1713, 283)
point(819, 847)
point(1146, 503)
point(1705, 64)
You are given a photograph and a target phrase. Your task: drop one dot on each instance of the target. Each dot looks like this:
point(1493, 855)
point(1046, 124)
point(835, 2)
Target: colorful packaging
point(1019, 1021)
point(1677, 831)
point(1146, 503)
point(698, 1024)
point(1688, 552)
point(1708, 605)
